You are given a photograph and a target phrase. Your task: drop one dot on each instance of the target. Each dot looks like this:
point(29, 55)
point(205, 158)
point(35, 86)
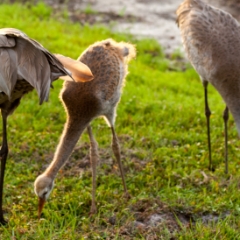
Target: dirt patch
point(155, 220)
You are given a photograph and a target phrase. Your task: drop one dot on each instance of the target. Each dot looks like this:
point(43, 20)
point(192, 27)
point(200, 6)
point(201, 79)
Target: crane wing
point(24, 58)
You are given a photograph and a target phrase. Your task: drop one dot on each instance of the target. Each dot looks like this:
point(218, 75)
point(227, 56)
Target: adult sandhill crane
point(211, 38)
point(25, 65)
point(108, 62)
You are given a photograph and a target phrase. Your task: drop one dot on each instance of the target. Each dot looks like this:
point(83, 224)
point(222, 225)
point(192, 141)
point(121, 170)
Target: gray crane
point(211, 38)
point(26, 65)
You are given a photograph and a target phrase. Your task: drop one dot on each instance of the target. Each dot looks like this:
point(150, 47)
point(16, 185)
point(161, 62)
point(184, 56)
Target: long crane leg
point(3, 156)
point(116, 151)
point(225, 118)
point(208, 114)
point(94, 158)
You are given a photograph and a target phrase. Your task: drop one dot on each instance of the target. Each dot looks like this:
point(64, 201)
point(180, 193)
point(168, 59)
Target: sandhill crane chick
point(83, 102)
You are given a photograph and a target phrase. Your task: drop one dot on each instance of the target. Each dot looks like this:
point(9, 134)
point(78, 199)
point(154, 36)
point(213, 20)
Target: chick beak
point(41, 202)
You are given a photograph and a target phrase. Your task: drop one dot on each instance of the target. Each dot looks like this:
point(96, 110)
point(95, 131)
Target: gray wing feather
point(8, 71)
point(25, 58)
point(6, 42)
point(37, 74)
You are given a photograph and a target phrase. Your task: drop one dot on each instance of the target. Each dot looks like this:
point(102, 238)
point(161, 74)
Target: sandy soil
point(155, 18)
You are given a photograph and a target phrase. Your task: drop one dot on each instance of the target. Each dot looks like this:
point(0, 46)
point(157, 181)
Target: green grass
point(161, 127)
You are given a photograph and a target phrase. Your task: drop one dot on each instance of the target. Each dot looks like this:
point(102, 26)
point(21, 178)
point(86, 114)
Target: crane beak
point(41, 202)
point(80, 71)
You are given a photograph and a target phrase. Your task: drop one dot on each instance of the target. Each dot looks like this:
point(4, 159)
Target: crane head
point(43, 186)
